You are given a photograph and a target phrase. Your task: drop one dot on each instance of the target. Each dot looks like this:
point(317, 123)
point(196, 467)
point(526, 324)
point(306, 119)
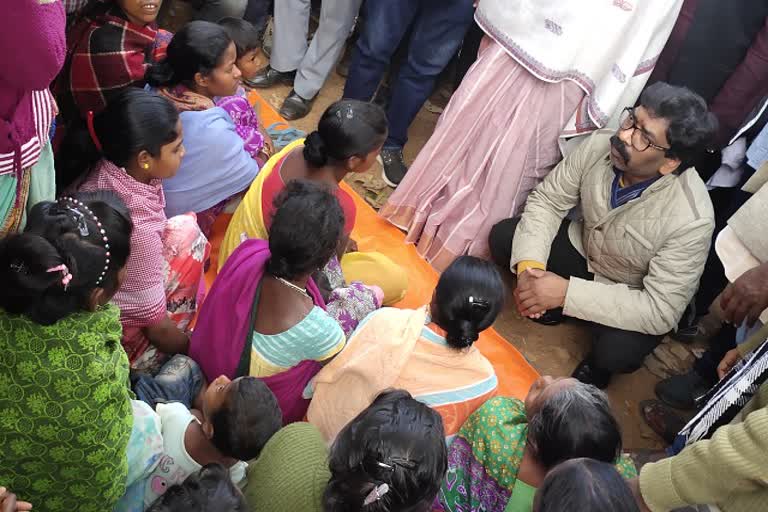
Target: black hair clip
point(82, 225)
point(396, 461)
point(19, 266)
point(402, 462)
point(64, 207)
point(480, 304)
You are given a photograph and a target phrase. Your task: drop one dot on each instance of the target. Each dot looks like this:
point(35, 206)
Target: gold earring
point(145, 166)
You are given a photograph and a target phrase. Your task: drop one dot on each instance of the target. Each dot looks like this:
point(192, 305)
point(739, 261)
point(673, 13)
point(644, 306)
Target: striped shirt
point(43, 112)
point(473, 376)
point(621, 195)
point(317, 337)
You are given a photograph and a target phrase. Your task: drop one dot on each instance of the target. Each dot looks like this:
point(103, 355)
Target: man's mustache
point(620, 148)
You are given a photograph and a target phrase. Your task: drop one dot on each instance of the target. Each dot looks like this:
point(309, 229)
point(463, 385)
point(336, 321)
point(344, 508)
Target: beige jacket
point(747, 222)
point(647, 255)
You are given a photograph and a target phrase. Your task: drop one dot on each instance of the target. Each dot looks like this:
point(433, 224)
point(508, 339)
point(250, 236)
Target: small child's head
point(240, 416)
point(70, 257)
point(200, 56)
point(391, 457)
point(350, 134)
point(584, 484)
point(467, 300)
point(247, 41)
point(568, 419)
point(209, 490)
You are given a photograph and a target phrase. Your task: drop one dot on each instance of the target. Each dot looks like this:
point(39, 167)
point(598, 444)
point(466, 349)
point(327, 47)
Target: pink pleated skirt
point(495, 141)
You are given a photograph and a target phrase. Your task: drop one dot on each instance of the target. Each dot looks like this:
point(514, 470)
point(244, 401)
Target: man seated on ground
point(632, 263)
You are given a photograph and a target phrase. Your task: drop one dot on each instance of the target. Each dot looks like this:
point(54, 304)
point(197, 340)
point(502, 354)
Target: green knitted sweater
point(291, 473)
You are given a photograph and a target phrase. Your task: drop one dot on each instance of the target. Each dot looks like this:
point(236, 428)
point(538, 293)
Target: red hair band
point(92, 131)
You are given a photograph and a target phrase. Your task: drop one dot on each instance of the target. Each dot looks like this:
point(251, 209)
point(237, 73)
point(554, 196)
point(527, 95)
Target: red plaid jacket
point(106, 54)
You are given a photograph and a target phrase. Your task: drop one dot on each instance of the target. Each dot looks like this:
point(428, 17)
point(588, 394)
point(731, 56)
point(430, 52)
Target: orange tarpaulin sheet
point(374, 234)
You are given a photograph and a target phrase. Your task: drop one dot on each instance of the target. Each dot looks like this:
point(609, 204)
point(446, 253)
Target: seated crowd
point(296, 381)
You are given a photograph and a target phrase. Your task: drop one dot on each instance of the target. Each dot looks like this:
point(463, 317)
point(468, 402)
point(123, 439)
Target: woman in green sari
point(66, 414)
point(506, 448)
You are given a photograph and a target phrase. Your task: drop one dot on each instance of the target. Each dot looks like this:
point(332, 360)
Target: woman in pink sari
point(264, 315)
point(545, 70)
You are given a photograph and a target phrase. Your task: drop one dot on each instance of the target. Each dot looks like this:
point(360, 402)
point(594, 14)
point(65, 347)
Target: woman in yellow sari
point(349, 137)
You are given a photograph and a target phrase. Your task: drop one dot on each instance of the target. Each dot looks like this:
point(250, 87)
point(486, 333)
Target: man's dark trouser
point(613, 350)
point(438, 30)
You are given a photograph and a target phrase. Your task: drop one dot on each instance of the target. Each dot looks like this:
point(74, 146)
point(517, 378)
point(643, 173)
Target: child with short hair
point(207, 490)
point(238, 418)
point(247, 41)
point(250, 128)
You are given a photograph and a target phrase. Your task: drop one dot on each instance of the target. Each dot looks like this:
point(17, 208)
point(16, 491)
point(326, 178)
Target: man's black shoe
point(681, 391)
point(551, 317)
point(295, 107)
point(268, 77)
point(588, 374)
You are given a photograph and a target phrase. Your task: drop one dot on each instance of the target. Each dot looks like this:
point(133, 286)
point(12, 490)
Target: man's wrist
point(524, 265)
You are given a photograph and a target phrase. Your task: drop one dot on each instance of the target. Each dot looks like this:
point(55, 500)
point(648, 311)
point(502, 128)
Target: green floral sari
point(485, 456)
point(65, 412)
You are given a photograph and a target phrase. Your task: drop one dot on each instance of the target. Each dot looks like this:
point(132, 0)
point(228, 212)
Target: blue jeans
point(179, 380)
point(438, 29)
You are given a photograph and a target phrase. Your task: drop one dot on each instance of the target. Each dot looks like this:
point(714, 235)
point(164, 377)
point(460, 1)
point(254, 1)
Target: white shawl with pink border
point(607, 47)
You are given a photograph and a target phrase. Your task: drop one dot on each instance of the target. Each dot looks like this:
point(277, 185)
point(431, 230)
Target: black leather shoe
point(295, 107)
point(394, 166)
point(551, 317)
point(588, 374)
point(268, 77)
point(681, 391)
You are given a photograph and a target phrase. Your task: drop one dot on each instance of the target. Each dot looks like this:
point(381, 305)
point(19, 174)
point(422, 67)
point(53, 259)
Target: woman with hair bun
point(348, 139)
point(264, 315)
point(71, 434)
point(132, 147)
point(223, 141)
point(429, 352)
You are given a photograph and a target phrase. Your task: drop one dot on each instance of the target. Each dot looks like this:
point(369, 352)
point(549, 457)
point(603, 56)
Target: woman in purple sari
point(264, 315)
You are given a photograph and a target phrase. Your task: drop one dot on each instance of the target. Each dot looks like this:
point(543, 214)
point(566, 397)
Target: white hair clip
point(376, 494)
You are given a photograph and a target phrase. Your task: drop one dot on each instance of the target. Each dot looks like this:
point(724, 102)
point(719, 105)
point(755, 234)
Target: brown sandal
point(662, 419)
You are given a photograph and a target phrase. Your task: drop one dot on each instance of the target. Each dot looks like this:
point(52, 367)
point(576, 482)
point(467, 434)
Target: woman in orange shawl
point(429, 352)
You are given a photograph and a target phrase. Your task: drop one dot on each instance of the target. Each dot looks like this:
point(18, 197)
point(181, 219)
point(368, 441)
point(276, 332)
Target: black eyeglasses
point(640, 140)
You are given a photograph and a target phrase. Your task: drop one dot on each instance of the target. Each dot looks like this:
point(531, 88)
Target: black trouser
point(613, 350)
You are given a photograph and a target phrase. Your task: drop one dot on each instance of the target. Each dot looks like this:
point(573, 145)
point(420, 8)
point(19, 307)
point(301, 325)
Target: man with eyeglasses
point(632, 261)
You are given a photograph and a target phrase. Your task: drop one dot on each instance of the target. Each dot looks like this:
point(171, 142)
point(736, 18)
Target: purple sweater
point(33, 50)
